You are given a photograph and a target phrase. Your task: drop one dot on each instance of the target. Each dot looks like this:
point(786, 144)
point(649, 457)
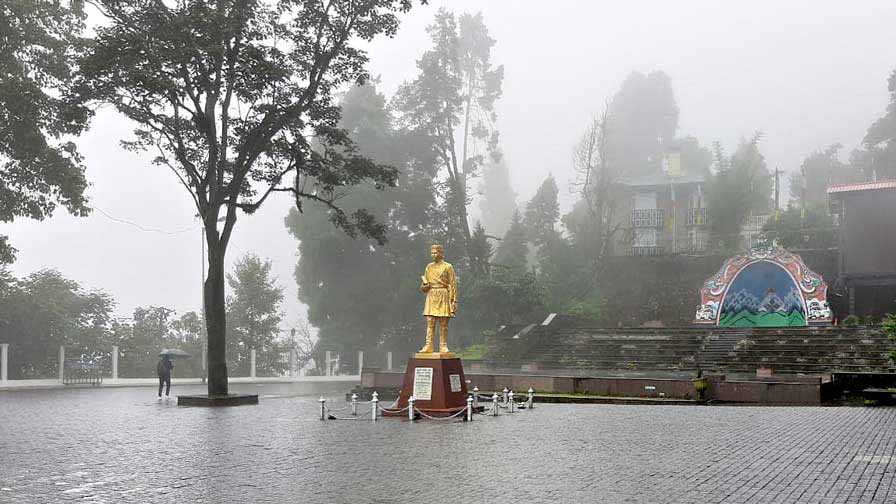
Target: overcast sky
point(805, 73)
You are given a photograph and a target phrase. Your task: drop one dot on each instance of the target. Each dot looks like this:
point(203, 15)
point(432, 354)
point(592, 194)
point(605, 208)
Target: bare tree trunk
point(215, 314)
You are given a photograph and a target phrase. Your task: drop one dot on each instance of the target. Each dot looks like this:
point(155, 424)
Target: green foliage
point(361, 295)
point(741, 186)
point(237, 98)
point(254, 316)
point(473, 352)
point(588, 309)
point(507, 296)
point(812, 228)
point(643, 118)
point(498, 198)
point(514, 247)
point(39, 167)
point(880, 139)
point(44, 311)
point(149, 331)
point(818, 171)
point(889, 325)
point(453, 97)
point(542, 213)
point(852, 320)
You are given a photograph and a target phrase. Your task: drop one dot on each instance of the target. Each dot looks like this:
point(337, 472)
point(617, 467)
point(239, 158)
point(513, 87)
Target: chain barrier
point(424, 415)
point(393, 411)
point(358, 417)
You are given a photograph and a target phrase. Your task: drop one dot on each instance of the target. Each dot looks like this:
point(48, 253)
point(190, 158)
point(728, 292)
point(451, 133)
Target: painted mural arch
point(765, 288)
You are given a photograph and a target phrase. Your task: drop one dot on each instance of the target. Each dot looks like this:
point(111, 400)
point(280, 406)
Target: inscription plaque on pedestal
point(439, 387)
point(455, 382)
point(423, 383)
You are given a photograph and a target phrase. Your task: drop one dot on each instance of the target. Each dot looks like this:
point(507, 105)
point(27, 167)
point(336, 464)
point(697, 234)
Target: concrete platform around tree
point(214, 401)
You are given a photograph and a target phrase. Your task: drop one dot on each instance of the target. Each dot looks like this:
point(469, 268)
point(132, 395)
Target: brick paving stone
point(106, 446)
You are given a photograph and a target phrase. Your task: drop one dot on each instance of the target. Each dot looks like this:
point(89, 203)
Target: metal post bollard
point(531, 400)
point(411, 408)
point(504, 398)
point(374, 404)
point(323, 408)
point(494, 404)
point(510, 397)
point(354, 404)
point(476, 397)
point(469, 408)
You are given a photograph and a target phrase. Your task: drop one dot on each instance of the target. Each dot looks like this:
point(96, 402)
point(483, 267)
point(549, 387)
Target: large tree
point(453, 99)
point(39, 165)
point(236, 97)
point(642, 120)
point(498, 197)
point(45, 310)
point(741, 186)
point(818, 171)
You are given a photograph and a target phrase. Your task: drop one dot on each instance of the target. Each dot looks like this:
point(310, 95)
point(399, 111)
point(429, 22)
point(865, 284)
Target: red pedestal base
point(446, 396)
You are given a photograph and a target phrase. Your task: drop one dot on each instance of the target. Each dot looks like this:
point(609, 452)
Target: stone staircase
point(808, 350)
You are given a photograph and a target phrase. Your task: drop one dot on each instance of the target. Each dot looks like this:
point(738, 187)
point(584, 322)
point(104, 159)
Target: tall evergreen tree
point(453, 97)
point(498, 198)
point(643, 119)
point(514, 247)
point(880, 140)
point(542, 213)
point(254, 311)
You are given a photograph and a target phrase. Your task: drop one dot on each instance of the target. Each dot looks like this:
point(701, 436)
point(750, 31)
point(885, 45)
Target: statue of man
point(440, 286)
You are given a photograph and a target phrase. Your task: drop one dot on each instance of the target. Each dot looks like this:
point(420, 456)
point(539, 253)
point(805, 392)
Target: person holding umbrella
point(163, 369)
point(165, 365)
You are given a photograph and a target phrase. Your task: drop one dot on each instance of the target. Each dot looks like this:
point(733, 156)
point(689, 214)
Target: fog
point(805, 74)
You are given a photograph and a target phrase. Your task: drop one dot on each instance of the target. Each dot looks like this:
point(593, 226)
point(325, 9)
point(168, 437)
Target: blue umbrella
point(173, 352)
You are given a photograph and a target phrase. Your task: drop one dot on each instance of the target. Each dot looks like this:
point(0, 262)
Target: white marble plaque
point(423, 383)
point(455, 382)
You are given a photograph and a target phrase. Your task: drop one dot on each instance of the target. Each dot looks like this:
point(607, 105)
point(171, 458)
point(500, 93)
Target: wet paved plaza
point(121, 445)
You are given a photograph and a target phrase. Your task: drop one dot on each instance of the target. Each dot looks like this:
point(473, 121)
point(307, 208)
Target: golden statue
point(440, 286)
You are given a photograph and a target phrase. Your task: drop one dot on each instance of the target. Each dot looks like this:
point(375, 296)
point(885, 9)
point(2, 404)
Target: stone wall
point(666, 289)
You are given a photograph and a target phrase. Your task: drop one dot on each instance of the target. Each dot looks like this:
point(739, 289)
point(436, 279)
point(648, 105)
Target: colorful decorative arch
point(765, 288)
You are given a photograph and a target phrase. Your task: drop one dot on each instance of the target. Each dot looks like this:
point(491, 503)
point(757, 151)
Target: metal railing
point(649, 218)
point(696, 217)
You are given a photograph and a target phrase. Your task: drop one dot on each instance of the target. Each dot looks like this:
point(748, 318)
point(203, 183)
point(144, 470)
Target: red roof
point(863, 186)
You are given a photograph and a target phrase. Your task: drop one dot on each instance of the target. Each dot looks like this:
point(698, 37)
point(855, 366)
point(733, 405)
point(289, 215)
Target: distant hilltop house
point(667, 214)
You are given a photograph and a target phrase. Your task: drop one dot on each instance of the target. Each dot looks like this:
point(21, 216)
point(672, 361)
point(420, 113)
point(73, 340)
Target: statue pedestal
point(437, 383)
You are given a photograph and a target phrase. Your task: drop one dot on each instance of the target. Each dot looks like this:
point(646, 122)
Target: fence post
point(360, 361)
point(510, 396)
point(531, 399)
point(323, 408)
point(374, 402)
point(61, 362)
point(252, 363)
point(329, 364)
point(388, 360)
point(469, 408)
point(114, 362)
point(475, 396)
point(354, 404)
point(495, 404)
point(4, 361)
point(411, 408)
point(504, 397)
